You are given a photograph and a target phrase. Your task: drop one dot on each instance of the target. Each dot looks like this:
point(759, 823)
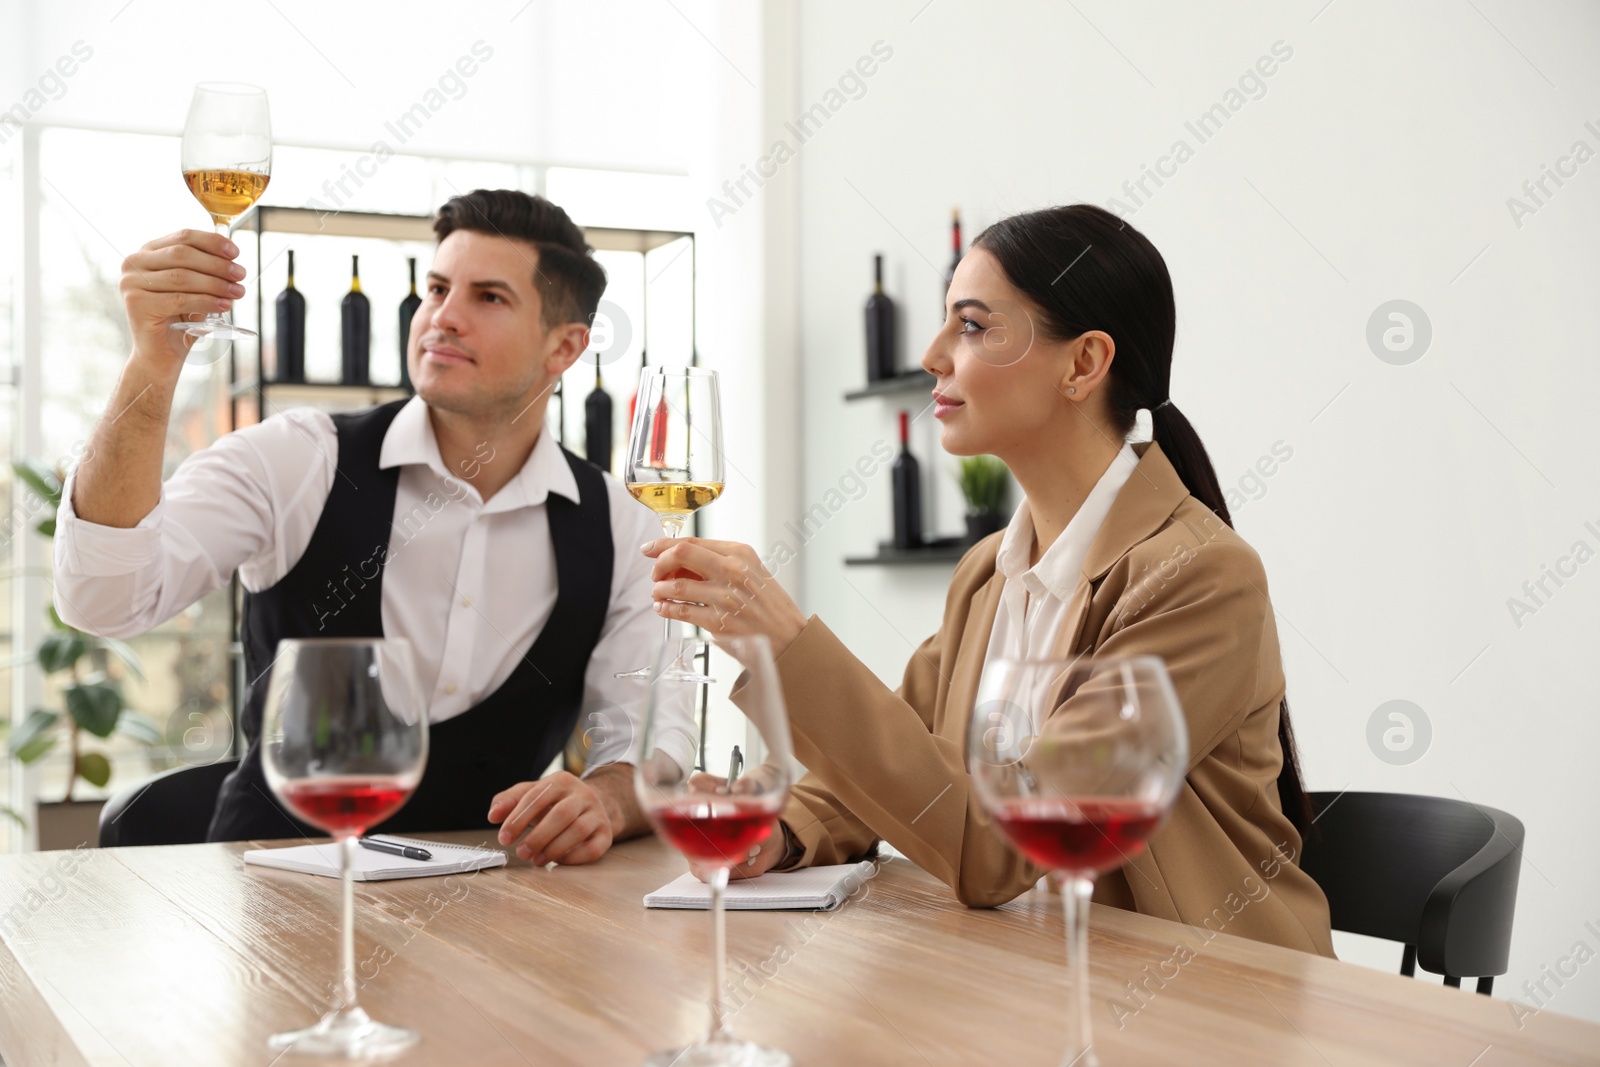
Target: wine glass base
point(722, 1054)
point(674, 674)
point(681, 674)
point(348, 1034)
point(220, 331)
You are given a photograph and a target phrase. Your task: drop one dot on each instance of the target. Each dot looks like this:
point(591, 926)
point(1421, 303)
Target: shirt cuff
point(90, 550)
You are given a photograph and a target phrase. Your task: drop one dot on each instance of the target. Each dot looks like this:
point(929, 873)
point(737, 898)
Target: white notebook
point(822, 888)
point(373, 866)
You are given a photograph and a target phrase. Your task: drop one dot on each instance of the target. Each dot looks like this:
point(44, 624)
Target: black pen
point(396, 850)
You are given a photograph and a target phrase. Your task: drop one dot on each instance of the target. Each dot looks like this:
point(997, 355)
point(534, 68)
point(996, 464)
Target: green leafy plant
point(93, 697)
point(984, 480)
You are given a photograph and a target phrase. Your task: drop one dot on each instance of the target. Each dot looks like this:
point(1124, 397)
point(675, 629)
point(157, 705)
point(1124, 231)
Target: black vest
point(335, 590)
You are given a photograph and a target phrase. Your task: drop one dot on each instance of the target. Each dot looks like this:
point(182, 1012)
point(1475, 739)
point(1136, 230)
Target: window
point(84, 341)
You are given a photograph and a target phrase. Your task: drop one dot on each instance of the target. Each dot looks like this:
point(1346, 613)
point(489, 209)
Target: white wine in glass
point(227, 162)
point(675, 465)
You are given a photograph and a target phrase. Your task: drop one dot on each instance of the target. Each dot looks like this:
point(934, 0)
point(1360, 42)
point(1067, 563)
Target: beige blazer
point(1163, 577)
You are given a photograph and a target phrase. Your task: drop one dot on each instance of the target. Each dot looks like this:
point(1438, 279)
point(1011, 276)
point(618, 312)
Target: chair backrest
point(1429, 872)
point(173, 808)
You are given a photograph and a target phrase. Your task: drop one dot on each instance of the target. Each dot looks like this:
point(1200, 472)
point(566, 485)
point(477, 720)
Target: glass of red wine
point(718, 820)
point(1078, 761)
point(344, 739)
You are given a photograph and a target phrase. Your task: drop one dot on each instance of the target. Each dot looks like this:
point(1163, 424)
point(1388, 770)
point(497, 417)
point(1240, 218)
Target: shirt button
point(450, 689)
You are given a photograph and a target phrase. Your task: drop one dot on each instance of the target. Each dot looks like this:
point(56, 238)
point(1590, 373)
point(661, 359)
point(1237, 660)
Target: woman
point(1059, 329)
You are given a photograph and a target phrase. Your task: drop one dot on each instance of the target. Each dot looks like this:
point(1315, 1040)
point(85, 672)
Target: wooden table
point(182, 955)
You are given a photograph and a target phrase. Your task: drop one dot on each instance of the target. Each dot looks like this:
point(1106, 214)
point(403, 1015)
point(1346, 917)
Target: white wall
point(742, 62)
point(1418, 498)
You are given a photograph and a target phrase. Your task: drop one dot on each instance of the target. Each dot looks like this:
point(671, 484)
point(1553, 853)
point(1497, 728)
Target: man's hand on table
point(569, 820)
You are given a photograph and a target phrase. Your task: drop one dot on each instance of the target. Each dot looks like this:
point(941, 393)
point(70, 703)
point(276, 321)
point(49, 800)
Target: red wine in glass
point(716, 821)
point(344, 741)
point(1083, 834)
point(716, 829)
point(342, 804)
point(1078, 759)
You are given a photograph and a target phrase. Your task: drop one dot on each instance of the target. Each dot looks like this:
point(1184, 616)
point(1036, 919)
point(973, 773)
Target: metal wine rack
point(247, 382)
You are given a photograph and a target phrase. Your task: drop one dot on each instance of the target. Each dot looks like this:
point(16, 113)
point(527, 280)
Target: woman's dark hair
point(568, 278)
point(1086, 270)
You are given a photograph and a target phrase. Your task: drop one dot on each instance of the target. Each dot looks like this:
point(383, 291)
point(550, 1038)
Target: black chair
point(173, 808)
point(1437, 875)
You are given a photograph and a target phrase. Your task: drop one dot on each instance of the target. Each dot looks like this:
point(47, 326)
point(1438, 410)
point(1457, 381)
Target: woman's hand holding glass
point(734, 593)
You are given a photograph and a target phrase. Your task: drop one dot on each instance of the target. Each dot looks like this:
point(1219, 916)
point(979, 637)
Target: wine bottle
point(955, 247)
point(880, 328)
point(291, 338)
point(408, 311)
point(597, 423)
point(355, 329)
point(907, 491)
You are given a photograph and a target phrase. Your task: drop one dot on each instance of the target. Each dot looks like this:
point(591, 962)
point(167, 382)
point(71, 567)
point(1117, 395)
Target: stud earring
point(1072, 388)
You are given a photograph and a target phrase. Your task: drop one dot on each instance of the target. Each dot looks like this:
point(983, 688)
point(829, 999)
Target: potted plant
point(93, 698)
point(984, 481)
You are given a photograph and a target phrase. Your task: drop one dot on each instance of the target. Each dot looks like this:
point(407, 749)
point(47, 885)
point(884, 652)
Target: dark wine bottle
point(408, 311)
point(291, 337)
point(597, 423)
point(355, 330)
point(907, 491)
point(880, 328)
point(955, 247)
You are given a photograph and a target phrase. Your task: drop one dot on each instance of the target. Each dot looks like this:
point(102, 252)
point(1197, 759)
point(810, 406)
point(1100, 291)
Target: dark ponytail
point(1086, 269)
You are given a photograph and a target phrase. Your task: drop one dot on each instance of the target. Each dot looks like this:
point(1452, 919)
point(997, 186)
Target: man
point(453, 520)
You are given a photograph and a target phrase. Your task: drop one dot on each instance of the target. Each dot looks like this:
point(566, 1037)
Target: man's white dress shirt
point(468, 583)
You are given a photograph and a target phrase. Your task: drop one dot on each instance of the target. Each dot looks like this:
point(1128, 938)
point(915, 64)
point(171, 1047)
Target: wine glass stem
point(223, 229)
point(1075, 893)
point(672, 526)
point(347, 925)
point(719, 959)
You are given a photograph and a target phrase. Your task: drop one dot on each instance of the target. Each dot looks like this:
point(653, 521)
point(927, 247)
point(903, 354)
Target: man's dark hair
point(568, 278)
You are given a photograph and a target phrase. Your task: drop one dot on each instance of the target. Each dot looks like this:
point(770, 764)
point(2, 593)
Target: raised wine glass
point(1079, 761)
point(715, 821)
point(675, 466)
point(344, 740)
point(227, 162)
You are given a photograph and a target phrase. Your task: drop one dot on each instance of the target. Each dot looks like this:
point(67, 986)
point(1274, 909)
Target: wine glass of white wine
point(227, 162)
point(674, 465)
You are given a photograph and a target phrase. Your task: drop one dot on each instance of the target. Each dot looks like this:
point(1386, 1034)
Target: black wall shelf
point(942, 550)
point(904, 382)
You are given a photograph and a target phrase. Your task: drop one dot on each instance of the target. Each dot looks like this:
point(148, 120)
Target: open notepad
point(372, 866)
point(809, 888)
